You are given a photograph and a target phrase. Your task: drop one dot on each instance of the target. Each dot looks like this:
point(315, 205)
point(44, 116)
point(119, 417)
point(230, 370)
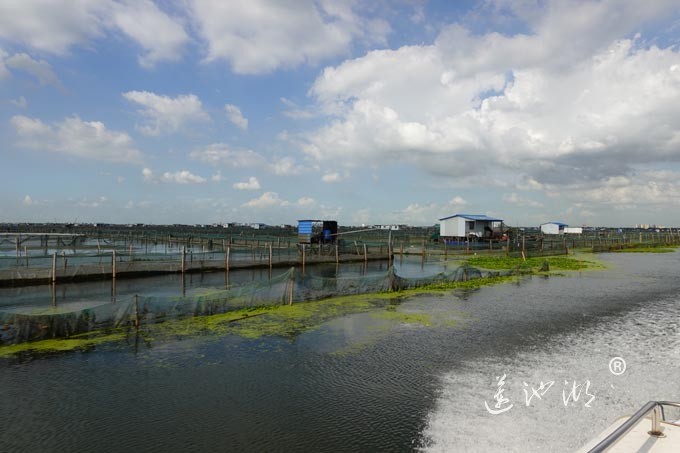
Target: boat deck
point(638, 438)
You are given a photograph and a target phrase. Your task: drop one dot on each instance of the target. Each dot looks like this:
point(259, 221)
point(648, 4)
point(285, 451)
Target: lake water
point(366, 382)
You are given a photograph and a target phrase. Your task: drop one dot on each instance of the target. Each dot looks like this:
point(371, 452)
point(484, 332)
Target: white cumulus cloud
point(251, 184)
point(236, 117)
point(178, 177)
point(221, 154)
point(161, 36)
point(573, 100)
point(266, 200)
point(165, 114)
point(40, 69)
point(260, 36)
point(73, 136)
point(57, 27)
point(332, 177)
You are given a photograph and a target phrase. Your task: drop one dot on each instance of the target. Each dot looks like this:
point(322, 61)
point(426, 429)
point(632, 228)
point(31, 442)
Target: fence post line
point(183, 258)
point(270, 256)
point(365, 253)
point(113, 264)
point(26, 254)
point(337, 257)
point(303, 258)
point(63, 258)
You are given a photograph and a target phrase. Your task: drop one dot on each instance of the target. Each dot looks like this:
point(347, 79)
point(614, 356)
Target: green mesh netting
point(53, 322)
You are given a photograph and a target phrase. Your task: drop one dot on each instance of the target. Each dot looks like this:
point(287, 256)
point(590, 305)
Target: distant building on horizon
point(553, 227)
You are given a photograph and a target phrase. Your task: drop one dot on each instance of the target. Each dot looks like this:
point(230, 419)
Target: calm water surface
point(363, 382)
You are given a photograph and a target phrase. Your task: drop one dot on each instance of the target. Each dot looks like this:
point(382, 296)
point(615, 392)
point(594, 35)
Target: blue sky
point(196, 111)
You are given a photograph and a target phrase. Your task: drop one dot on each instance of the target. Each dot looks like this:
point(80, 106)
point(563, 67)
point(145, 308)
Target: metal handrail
point(655, 407)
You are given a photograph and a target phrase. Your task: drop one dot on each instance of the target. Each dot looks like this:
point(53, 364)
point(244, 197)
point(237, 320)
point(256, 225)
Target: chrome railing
point(657, 416)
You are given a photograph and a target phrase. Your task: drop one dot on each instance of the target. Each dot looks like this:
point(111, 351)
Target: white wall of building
point(453, 227)
point(550, 228)
point(573, 230)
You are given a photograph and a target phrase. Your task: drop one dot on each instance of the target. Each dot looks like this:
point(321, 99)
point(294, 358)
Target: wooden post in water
point(228, 252)
point(292, 284)
point(63, 258)
point(136, 313)
point(26, 254)
point(303, 258)
point(356, 247)
point(54, 268)
point(365, 253)
point(183, 258)
point(113, 264)
point(337, 254)
point(270, 257)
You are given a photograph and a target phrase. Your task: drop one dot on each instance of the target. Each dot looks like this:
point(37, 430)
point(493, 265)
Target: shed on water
point(470, 225)
point(317, 231)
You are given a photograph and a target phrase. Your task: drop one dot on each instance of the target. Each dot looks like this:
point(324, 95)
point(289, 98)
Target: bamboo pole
point(337, 255)
point(183, 259)
point(113, 264)
point(270, 257)
point(26, 254)
point(365, 253)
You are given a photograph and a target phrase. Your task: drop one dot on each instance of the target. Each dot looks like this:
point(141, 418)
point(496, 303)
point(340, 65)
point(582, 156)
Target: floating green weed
point(404, 317)
point(555, 262)
point(77, 342)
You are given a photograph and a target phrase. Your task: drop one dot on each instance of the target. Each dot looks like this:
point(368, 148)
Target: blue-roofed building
point(553, 227)
point(317, 231)
point(470, 226)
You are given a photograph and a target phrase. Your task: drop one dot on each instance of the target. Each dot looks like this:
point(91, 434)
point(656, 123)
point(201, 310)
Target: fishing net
point(18, 325)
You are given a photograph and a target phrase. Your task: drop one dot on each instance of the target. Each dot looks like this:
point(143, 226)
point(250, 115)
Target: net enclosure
point(19, 325)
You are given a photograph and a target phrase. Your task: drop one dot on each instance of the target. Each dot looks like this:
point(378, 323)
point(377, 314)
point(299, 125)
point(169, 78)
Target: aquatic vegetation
point(554, 262)
point(76, 342)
